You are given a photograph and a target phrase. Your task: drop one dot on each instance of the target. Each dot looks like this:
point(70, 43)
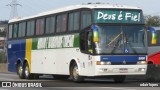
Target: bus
point(153, 35)
point(79, 41)
point(153, 45)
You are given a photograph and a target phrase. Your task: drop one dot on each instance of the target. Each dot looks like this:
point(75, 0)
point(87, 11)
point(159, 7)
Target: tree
point(152, 20)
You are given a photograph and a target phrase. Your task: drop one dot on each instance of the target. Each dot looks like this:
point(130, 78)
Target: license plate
point(123, 70)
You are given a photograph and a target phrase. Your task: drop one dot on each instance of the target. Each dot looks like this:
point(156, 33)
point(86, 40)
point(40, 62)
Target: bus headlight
point(141, 62)
point(103, 63)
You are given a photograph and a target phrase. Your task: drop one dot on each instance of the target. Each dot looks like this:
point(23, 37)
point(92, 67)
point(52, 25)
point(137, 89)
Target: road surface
point(89, 84)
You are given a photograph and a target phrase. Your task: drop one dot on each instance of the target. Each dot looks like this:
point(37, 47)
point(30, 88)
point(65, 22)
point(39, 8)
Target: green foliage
point(152, 20)
point(0, 57)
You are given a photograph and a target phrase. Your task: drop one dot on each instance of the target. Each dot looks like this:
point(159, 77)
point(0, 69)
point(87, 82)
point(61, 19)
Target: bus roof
point(73, 7)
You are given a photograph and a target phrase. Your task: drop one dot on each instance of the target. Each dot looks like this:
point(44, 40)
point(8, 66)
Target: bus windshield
point(121, 40)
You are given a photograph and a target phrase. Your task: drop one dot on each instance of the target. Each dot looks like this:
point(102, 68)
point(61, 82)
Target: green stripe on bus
point(34, 43)
point(76, 40)
point(55, 42)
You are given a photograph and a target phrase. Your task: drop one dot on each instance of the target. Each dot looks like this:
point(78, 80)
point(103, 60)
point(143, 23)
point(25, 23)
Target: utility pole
point(13, 5)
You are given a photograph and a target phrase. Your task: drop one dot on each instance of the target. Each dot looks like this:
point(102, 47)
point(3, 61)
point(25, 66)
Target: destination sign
point(118, 16)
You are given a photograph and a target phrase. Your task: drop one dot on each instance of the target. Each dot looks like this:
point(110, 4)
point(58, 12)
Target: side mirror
point(154, 35)
point(95, 33)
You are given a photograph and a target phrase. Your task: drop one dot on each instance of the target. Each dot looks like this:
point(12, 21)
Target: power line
point(13, 5)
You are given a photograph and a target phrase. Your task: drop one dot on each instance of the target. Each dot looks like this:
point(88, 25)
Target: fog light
point(103, 70)
point(141, 69)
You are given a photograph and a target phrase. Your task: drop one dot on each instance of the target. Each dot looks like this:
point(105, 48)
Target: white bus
point(79, 41)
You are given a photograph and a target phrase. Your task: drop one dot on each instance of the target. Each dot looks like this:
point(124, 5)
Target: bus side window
point(73, 21)
point(40, 26)
point(61, 23)
point(10, 31)
point(30, 28)
point(50, 25)
point(22, 29)
point(85, 19)
point(15, 31)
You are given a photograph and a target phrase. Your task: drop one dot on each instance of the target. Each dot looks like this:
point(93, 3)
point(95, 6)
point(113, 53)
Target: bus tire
point(20, 71)
point(75, 74)
point(27, 73)
point(119, 79)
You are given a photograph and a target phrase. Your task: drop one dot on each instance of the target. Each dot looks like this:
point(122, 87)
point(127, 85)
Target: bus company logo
point(6, 84)
point(56, 42)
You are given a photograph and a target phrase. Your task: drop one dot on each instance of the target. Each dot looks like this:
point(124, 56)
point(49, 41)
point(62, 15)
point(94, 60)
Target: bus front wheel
point(75, 73)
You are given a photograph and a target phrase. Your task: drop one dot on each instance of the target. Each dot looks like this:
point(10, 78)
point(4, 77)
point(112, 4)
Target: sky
point(32, 7)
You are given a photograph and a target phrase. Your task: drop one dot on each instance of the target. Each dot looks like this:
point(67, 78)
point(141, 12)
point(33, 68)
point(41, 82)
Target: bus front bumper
point(120, 70)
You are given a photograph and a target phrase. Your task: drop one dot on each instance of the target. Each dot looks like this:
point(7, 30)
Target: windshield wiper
point(114, 38)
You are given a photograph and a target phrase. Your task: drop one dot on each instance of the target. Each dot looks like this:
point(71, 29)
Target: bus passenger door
point(86, 47)
point(86, 42)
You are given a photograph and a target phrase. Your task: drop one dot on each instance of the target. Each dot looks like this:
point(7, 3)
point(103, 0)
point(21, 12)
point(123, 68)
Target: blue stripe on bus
point(16, 50)
point(120, 59)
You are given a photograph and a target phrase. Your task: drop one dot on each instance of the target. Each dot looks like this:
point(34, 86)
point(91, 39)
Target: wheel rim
point(75, 72)
point(20, 70)
point(26, 71)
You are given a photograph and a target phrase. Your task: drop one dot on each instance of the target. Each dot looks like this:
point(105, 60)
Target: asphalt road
point(89, 84)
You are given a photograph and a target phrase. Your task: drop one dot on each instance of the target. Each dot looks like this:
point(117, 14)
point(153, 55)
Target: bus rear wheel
point(20, 71)
point(27, 73)
point(75, 73)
